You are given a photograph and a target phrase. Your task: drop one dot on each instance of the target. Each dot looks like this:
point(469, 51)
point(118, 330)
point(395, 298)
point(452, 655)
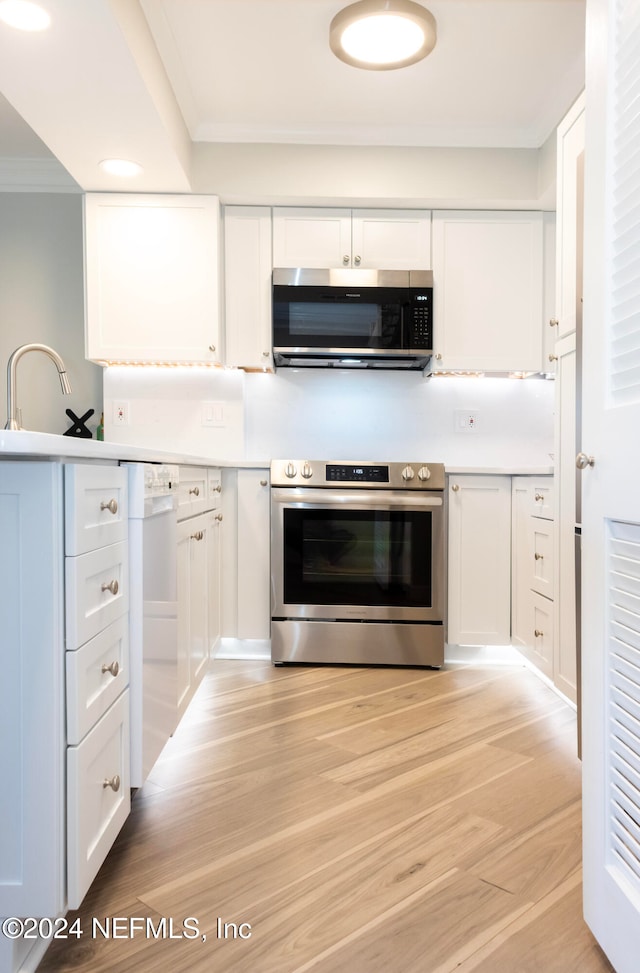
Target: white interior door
point(611, 499)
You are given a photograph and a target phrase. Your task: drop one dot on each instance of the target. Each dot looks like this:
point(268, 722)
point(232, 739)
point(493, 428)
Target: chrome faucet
point(12, 400)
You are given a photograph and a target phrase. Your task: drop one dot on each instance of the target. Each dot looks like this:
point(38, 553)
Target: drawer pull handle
point(539, 557)
point(263, 482)
point(219, 488)
point(114, 783)
point(111, 506)
point(538, 634)
point(455, 487)
point(113, 668)
point(111, 586)
point(195, 491)
point(197, 536)
point(539, 496)
point(218, 517)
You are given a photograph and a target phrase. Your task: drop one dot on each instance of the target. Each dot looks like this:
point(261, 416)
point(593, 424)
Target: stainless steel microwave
point(352, 318)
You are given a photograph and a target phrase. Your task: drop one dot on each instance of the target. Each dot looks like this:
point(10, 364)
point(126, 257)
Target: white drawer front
point(542, 635)
point(95, 499)
point(542, 498)
point(214, 489)
point(542, 556)
point(193, 497)
point(96, 809)
point(96, 675)
point(97, 591)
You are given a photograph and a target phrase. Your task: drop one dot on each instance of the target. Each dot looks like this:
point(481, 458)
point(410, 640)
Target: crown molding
point(35, 176)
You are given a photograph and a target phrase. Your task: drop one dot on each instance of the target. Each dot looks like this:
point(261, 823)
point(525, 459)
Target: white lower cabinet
point(198, 566)
point(254, 551)
point(64, 706)
point(479, 560)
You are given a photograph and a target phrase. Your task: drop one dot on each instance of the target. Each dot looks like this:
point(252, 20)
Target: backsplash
point(332, 415)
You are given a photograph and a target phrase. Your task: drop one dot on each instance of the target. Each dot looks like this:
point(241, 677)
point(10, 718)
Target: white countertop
point(23, 444)
point(501, 470)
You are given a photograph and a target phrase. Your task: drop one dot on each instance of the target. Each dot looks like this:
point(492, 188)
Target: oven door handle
point(374, 498)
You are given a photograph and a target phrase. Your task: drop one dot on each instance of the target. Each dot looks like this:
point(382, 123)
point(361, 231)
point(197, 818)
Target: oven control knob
point(407, 473)
point(290, 470)
point(424, 473)
point(307, 472)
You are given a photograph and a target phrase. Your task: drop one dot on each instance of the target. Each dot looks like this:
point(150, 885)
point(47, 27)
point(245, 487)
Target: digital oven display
point(357, 474)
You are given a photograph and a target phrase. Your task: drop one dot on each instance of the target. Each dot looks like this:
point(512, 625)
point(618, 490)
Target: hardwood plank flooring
point(372, 820)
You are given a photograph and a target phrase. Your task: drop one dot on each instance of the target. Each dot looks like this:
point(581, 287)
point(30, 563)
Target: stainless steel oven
point(358, 563)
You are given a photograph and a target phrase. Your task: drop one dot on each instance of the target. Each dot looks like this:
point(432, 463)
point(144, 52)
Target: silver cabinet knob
point(219, 488)
point(263, 482)
point(290, 470)
point(582, 461)
point(553, 323)
point(539, 557)
point(455, 487)
point(553, 357)
point(357, 260)
point(538, 634)
point(212, 347)
point(113, 668)
point(197, 536)
point(111, 506)
point(438, 357)
point(265, 354)
point(218, 517)
point(345, 259)
point(111, 586)
point(195, 491)
point(539, 497)
point(407, 473)
point(113, 783)
point(307, 472)
point(424, 473)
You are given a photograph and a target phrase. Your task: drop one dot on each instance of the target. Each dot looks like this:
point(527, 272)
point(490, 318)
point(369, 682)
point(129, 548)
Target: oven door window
point(357, 557)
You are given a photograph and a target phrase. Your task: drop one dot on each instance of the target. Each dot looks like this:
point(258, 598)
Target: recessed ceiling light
point(24, 15)
point(121, 167)
point(382, 34)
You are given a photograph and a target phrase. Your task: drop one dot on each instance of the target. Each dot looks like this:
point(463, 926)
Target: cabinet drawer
point(542, 573)
point(96, 675)
point(541, 638)
point(98, 797)
point(542, 498)
point(214, 489)
point(193, 491)
point(97, 592)
point(95, 499)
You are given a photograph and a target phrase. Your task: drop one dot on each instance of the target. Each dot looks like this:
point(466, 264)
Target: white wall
point(333, 414)
point(42, 299)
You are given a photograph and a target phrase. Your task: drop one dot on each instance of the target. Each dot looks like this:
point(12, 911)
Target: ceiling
point(149, 79)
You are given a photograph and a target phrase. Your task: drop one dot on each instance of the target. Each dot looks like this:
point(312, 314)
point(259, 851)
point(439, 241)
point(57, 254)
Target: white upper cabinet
point(378, 238)
point(247, 269)
point(570, 148)
point(152, 278)
point(488, 291)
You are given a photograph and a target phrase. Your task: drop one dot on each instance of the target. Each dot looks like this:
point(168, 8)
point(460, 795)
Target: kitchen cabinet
point(254, 568)
point(488, 291)
point(479, 560)
point(152, 286)
point(247, 274)
point(570, 150)
point(533, 573)
point(198, 568)
point(380, 239)
point(63, 703)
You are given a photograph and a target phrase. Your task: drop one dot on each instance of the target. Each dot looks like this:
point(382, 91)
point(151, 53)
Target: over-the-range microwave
point(352, 318)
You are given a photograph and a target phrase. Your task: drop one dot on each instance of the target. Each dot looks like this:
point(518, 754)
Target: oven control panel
point(372, 476)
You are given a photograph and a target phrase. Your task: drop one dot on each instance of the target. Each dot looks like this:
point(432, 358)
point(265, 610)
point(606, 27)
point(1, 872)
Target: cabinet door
point(521, 602)
point(479, 560)
point(391, 239)
point(488, 289)
point(570, 149)
point(254, 571)
point(184, 612)
point(542, 636)
point(198, 597)
point(151, 275)
point(247, 277)
point(311, 237)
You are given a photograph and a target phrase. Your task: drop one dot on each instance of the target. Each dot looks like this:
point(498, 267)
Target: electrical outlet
point(466, 420)
point(121, 413)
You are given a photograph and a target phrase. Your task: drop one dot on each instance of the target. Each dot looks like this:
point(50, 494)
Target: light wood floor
point(359, 821)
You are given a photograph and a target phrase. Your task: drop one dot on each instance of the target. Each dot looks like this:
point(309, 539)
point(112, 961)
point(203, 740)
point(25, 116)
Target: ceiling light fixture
point(382, 34)
point(24, 15)
point(121, 167)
